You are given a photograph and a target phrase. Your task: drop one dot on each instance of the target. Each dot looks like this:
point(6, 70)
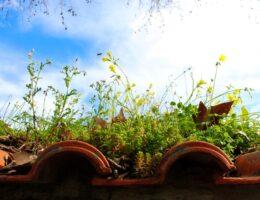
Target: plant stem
point(214, 82)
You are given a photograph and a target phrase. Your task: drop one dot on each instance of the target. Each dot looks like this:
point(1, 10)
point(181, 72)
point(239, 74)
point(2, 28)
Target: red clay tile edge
point(247, 166)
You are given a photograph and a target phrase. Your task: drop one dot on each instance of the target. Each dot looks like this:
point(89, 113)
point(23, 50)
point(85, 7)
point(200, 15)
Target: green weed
point(133, 128)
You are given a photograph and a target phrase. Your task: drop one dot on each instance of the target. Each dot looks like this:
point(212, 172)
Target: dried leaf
point(9, 149)
point(120, 117)
point(100, 122)
point(222, 108)
point(217, 111)
point(21, 158)
point(211, 116)
point(202, 115)
point(4, 157)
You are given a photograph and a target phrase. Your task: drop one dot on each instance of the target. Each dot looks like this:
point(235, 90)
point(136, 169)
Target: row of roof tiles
point(244, 170)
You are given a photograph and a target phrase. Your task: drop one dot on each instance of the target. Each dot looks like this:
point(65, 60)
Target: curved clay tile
point(248, 164)
point(248, 170)
point(196, 148)
point(89, 152)
point(78, 144)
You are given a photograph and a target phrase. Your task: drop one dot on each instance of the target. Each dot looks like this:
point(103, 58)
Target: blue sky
point(23, 36)
point(45, 45)
point(148, 55)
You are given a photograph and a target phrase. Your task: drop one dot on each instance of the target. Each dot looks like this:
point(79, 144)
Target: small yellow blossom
point(105, 59)
point(200, 83)
point(209, 89)
point(112, 68)
point(140, 102)
point(222, 58)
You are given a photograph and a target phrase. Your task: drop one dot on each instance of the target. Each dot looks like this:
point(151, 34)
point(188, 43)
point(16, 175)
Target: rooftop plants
point(133, 129)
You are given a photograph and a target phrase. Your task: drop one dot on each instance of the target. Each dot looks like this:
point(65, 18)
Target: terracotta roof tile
point(245, 169)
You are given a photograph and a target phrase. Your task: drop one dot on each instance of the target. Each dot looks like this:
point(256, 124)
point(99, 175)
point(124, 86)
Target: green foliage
point(5, 129)
point(28, 118)
point(122, 122)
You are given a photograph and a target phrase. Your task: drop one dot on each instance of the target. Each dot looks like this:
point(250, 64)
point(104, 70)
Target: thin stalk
point(214, 82)
point(44, 104)
point(222, 94)
point(6, 110)
point(192, 92)
point(171, 84)
point(6, 102)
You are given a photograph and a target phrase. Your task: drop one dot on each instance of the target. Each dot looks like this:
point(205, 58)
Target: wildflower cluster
point(133, 128)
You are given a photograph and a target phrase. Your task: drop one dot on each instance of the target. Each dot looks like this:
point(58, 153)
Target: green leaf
point(244, 113)
point(67, 80)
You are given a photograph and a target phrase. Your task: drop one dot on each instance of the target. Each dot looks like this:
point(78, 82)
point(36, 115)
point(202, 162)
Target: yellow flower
point(140, 102)
point(105, 59)
point(200, 83)
point(112, 68)
point(209, 89)
point(222, 58)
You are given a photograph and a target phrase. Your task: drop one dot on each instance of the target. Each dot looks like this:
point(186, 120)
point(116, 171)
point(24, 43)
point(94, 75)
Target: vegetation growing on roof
point(131, 128)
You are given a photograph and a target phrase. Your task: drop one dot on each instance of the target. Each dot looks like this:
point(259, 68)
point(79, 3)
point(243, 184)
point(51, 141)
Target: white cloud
point(188, 39)
point(12, 72)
